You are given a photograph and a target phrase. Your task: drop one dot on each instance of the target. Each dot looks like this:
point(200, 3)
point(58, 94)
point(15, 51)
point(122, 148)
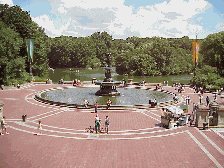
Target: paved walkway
point(134, 140)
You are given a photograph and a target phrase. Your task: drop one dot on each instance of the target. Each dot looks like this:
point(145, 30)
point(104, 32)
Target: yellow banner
point(195, 47)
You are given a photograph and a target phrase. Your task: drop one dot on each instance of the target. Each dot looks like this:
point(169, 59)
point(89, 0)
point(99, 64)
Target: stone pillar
point(214, 106)
point(93, 80)
point(221, 115)
point(202, 114)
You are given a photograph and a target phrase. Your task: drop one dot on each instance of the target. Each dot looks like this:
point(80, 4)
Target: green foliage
point(134, 56)
point(211, 72)
point(212, 49)
point(219, 82)
point(15, 73)
point(10, 43)
point(208, 76)
point(15, 26)
point(17, 19)
point(40, 79)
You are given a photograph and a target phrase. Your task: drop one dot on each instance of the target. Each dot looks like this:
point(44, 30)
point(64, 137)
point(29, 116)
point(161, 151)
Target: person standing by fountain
point(108, 103)
point(107, 123)
point(96, 106)
point(86, 103)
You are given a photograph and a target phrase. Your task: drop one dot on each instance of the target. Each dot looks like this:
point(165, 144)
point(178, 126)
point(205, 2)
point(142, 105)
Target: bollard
point(205, 125)
point(24, 118)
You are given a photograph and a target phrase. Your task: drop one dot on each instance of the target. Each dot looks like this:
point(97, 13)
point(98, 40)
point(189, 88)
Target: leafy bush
point(15, 72)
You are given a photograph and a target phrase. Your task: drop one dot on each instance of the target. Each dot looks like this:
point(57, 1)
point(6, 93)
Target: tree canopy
point(133, 56)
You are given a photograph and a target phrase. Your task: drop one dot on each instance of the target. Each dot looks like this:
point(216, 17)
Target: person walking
point(3, 126)
point(207, 100)
point(215, 97)
point(107, 123)
point(200, 98)
point(96, 106)
point(188, 100)
point(39, 128)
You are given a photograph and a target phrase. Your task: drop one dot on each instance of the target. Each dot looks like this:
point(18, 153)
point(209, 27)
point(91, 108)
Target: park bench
point(39, 82)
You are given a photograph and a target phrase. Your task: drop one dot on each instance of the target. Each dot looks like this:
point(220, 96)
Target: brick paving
point(134, 140)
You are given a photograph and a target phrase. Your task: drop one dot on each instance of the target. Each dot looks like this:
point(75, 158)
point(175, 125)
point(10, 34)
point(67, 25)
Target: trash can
point(24, 118)
point(181, 122)
point(205, 125)
point(93, 80)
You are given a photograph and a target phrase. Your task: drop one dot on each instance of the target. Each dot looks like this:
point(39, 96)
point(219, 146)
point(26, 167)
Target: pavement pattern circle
point(134, 140)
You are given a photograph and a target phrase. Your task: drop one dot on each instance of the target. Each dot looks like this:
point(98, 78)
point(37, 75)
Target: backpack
point(97, 123)
point(108, 122)
point(2, 122)
point(207, 98)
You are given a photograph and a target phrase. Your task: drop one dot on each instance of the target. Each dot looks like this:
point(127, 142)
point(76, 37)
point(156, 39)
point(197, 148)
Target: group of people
point(61, 81)
point(198, 89)
point(175, 98)
point(142, 83)
point(179, 87)
point(165, 83)
point(207, 99)
point(86, 102)
point(98, 124)
point(188, 99)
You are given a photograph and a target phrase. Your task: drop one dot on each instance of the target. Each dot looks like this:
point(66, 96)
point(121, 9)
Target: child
point(39, 128)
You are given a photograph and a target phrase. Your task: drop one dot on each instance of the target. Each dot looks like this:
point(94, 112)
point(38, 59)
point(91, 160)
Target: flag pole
point(30, 68)
point(195, 58)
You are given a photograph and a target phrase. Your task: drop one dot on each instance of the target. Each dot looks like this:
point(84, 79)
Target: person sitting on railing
point(108, 103)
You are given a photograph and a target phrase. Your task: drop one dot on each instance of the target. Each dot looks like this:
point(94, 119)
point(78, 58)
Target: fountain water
point(108, 86)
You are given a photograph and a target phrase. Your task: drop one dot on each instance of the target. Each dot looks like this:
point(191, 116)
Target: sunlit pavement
point(135, 138)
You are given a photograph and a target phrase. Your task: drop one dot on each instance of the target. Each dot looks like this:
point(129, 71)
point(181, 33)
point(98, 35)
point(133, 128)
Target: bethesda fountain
point(108, 87)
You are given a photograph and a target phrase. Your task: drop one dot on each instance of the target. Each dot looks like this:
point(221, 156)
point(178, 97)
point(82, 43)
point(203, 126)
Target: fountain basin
point(128, 96)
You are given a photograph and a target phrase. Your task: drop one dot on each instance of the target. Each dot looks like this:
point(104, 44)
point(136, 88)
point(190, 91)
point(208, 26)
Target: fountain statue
point(108, 86)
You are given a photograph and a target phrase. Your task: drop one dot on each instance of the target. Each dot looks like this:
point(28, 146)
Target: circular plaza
point(135, 136)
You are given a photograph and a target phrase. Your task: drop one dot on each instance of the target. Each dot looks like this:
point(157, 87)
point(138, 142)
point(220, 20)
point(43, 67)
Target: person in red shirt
point(96, 106)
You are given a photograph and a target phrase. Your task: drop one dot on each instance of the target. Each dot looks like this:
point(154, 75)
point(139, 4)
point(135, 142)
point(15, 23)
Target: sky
point(126, 18)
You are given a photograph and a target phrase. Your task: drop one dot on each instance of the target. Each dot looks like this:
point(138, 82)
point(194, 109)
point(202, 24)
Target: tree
point(103, 44)
point(212, 49)
point(10, 43)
